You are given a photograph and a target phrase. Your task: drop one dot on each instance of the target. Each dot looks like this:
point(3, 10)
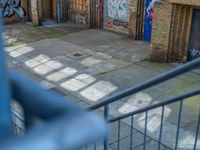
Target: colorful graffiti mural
point(118, 9)
point(117, 15)
point(10, 7)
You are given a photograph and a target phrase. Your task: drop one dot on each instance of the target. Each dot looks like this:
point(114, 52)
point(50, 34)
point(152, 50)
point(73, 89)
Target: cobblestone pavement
point(86, 66)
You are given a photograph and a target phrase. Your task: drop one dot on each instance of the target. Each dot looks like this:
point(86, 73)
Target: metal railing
point(145, 85)
point(162, 105)
point(52, 123)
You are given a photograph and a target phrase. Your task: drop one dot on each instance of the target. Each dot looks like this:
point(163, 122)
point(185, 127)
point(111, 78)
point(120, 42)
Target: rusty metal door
point(194, 42)
point(47, 9)
point(140, 19)
point(64, 10)
point(96, 14)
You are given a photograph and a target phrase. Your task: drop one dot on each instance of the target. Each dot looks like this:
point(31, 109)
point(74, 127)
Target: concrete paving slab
point(51, 48)
point(111, 63)
point(152, 145)
point(138, 139)
point(42, 69)
point(127, 50)
point(190, 77)
point(25, 33)
point(47, 85)
point(92, 38)
point(125, 131)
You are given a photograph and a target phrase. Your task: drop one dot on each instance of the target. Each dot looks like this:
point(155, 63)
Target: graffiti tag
point(120, 23)
point(80, 19)
point(10, 7)
point(195, 52)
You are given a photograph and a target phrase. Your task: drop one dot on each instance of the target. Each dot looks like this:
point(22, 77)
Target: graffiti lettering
point(10, 7)
point(120, 23)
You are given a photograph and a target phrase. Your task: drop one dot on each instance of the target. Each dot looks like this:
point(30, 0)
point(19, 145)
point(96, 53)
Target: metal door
point(96, 14)
point(140, 19)
point(148, 21)
point(64, 11)
point(194, 41)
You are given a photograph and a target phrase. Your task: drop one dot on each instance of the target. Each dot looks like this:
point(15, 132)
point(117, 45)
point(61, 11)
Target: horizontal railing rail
point(149, 83)
point(160, 104)
point(142, 86)
point(133, 90)
point(160, 139)
point(179, 99)
point(58, 116)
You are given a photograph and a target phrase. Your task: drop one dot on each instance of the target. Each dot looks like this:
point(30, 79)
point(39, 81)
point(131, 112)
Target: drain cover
point(78, 55)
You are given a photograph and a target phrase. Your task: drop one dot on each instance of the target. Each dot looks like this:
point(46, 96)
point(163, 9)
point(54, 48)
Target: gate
point(140, 19)
point(194, 43)
point(63, 11)
point(148, 21)
point(96, 14)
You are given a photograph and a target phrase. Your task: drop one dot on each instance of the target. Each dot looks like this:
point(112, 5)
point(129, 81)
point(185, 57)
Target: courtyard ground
point(86, 66)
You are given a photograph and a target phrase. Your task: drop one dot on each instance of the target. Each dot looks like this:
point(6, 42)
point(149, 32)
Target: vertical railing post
point(161, 127)
point(197, 132)
point(145, 129)
point(179, 124)
point(5, 113)
point(106, 116)
point(131, 137)
point(58, 11)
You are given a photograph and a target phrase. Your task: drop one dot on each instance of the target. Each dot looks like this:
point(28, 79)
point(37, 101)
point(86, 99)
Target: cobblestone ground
point(86, 66)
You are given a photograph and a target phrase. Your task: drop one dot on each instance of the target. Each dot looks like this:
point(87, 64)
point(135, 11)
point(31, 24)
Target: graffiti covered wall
point(117, 15)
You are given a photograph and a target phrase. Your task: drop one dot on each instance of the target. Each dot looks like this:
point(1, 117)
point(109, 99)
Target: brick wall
point(161, 32)
point(186, 2)
point(171, 30)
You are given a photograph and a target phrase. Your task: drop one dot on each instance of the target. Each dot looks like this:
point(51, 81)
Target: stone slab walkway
point(88, 66)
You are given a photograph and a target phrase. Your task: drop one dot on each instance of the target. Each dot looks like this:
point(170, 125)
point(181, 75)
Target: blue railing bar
point(131, 137)
point(145, 130)
point(58, 11)
point(17, 115)
point(34, 98)
point(47, 107)
point(163, 103)
point(19, 126)
point(106, 117)
point(95, 146)
point(161, 127)
point(149, 83)
point(119, 134)
point(197, 132)
point(5, 113)
point(178, 124)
